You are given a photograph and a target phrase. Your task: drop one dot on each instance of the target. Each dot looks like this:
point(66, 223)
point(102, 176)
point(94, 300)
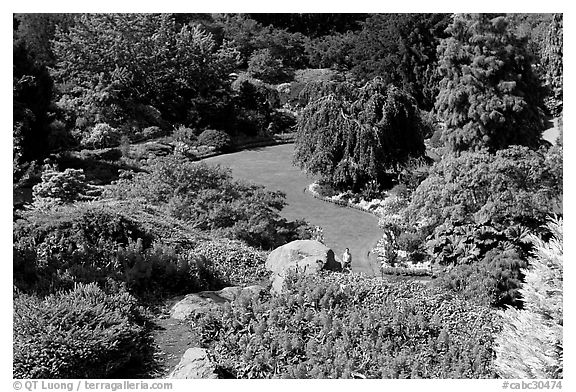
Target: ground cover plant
point(346, 326)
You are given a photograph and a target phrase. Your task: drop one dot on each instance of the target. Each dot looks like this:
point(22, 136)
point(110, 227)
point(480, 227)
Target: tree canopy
point(489, 94)
point(120, 62)
point(355, 136)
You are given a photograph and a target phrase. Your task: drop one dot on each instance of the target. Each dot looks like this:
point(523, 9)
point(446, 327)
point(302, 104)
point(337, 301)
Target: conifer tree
point(531, 342)
point(552, 62)
point(489, 95)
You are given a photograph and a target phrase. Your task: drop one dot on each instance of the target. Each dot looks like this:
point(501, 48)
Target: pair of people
point(347, 260)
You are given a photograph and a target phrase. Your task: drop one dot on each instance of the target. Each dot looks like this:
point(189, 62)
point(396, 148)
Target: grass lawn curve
point(343, 227)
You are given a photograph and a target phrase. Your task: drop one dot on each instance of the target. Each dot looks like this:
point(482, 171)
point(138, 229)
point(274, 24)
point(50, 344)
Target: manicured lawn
point(343, 227)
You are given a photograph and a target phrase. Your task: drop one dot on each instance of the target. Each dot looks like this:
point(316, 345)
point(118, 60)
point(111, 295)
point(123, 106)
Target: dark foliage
point(401, 49)
point(312, 25)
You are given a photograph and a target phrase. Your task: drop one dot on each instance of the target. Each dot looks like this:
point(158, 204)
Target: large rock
point(302, 256)
point(194, 364)
point(207, 300)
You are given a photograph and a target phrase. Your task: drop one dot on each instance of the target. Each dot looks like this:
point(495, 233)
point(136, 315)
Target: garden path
point(343, 227)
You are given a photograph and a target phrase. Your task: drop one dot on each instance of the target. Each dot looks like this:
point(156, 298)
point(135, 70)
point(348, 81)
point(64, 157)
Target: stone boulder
point(302, 256)
point(207, 300)
point(194, 364)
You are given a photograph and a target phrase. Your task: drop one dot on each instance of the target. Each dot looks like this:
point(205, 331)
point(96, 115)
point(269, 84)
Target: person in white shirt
point(347, 260)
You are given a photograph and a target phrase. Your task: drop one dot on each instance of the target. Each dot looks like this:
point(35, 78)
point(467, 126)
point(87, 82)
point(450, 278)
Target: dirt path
point(343, 227)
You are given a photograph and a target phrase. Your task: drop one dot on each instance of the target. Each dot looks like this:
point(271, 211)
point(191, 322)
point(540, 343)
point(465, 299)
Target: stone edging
point(340, 203)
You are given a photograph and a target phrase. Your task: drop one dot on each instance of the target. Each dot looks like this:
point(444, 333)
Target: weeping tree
point(357, 138)
point(489, 97)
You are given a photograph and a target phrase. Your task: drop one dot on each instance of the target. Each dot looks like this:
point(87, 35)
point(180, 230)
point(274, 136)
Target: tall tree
point(552, 62)
point(489, 95)
point(354, 136)
point(110, 65)
point(401, 48)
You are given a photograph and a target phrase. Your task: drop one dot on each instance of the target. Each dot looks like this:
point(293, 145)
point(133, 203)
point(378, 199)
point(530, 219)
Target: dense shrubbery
point(513, 186)
point(128, 245)
point(114, 67)
point(255, 103)
point(207, 198)
point(84, 333)
point(101, 136)
point(478, 208)
point(234, 263)
point(218, 139)
point(264, 66)
point(58, 248)
point(346, 326)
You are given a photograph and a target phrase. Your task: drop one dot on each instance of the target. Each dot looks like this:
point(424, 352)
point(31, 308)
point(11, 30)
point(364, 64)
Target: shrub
point(84, 333)
point(152, 132)
point(57, 248)
point(233, 263)
point(515, 185)
point(263, 65)
point(101, 136)
point(60, 187)
point(348, 326)
point(185, 135)
point(217, 139)
point(127, 243)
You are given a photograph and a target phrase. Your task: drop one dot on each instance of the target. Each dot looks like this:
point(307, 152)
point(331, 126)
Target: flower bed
point(325, 193)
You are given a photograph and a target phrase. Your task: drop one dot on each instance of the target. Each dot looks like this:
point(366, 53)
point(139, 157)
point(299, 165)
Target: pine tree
point(531, 342)
point(489, 95)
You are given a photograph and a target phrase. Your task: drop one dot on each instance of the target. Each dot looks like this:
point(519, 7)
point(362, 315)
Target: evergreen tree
point(401, 48)
point(489, 95)
point(355, 136)
point(552, 62)
point(531, 342)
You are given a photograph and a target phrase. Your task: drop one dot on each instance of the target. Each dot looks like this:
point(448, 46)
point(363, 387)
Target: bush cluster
point(346, 326)
point(101, 136)
point(220, 140)
point(232, 262)
point(83, 333)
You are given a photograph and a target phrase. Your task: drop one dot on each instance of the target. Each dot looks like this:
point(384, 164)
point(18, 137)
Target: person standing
point(347, 260)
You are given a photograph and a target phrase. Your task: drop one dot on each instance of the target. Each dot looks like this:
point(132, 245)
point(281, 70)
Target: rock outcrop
point(207, 300)
point(194, 364)
point(301, 256)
